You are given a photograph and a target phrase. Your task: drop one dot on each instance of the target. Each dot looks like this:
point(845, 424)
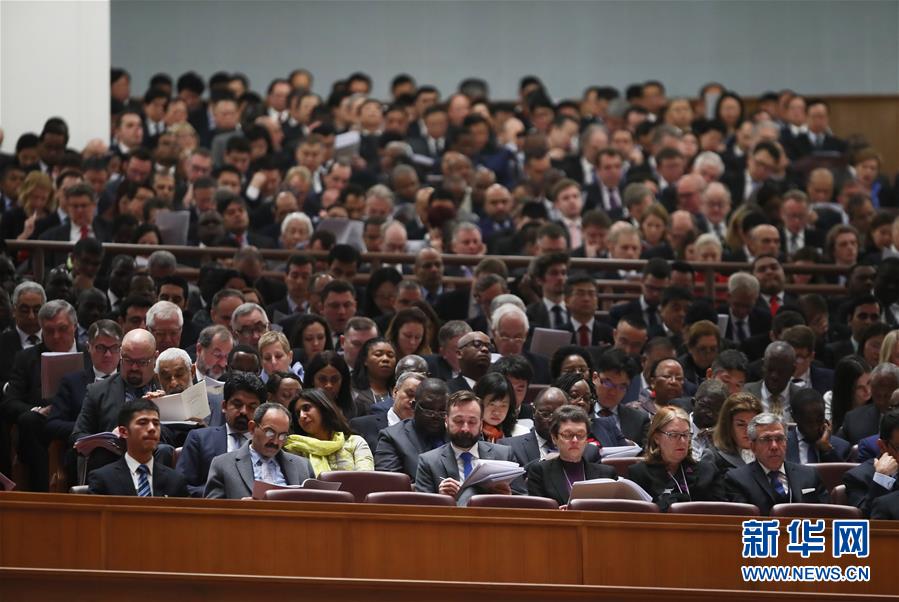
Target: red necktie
point(84, 232)
point(583, 334)
point(775, 304)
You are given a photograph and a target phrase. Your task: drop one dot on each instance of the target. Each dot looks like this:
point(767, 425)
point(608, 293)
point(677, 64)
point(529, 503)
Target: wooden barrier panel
point(355, 541)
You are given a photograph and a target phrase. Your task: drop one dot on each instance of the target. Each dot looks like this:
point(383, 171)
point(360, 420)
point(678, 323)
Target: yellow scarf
point(318, 451)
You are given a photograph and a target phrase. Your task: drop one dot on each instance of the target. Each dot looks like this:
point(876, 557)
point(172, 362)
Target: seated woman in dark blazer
point(554, 478)
point(668, 473)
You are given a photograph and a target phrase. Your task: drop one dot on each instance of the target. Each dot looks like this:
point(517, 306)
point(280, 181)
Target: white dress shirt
point(135, 477)
point(460, 464)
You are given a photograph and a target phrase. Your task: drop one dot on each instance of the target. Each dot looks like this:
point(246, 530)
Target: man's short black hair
point(576, 278)
point(675, 293)
point(237, 144)
point(174, 280)
point(130, 408)
point(192, 82)
point(337, 287)
point(298, 259)
point(857, 302)
point(344, 254)
point(730, 359)
point(657, 268)
point(889, 423)
point(153, 94)
point(614, 360)
point(516, 366)
point(247, 382)
point(546, 261)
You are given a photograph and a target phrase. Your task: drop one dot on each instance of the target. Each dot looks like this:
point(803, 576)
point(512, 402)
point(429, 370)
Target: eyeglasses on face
point(771, 439)
point(430, 413)
point(140, 363)
point(272, 433)
point(572, 436)
point(677, 436)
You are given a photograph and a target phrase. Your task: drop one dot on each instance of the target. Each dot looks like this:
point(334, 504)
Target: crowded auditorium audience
point(387, 336)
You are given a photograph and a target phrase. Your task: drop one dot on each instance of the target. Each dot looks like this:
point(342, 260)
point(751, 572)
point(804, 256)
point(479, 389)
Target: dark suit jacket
point(539, 317)
point(100, 409)
point(440, 463)
point(369, 427)
point(24, 389)
point(197, 453)
point(861, 488)
point(453, 305)
point(606, 431)
point(750, 485)
point(458, 384)
point(600, 334)
point(231, 475)
point(548, 479)
point(839, 453)
point(526, 450)
point(115, 479)
point(629, 308)
point(860, 423)
point(702, 480)
point(759, 322)
point(439, 367)
point(822, 378)
point(102, 232)
point(67, 404)
point(10, 345)
point(279, 306)
point(399, 447)
point(634, 423)
point(886, 507)
point(540, 365)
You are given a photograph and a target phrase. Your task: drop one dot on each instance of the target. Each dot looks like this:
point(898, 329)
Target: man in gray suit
point(443, 470)
point(231, 476)
point(775, 390)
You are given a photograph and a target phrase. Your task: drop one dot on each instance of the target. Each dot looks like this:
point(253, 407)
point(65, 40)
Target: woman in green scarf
point(322, 435)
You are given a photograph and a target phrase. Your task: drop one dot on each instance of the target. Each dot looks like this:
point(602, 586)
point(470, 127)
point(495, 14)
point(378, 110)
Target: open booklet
point(180, 407)
point(56, 365)
point(260, 487)
point(488, 472)
point(621, 451)
point(108, 441)
point(546, 341)
point(609, 489)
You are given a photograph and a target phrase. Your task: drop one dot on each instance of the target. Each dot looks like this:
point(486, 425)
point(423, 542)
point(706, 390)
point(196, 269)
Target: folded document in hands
point(609, 489)
point(489, 472)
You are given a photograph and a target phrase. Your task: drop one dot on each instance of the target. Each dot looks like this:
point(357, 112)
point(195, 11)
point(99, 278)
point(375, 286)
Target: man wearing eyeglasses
point(27, 300)
point(248, 323)
point(23, 403)
point(611, 382)
point(243, 393)
point(474, 359)
point(770, 480)
point(231, 476)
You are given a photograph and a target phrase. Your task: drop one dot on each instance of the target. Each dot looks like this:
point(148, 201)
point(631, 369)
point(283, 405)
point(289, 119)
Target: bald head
point(138, 339)
point(764, 239)
point(551, 396)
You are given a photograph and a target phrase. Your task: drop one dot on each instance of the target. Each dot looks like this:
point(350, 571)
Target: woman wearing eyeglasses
point(668, 472)
point(553, 478)
point(322, 435)
point(666, 387)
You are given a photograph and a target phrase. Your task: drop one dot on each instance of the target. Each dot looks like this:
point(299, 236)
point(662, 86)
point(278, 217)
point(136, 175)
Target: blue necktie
point(143, 482)
point(812, 453)
point(466, 464)
point(774, 477)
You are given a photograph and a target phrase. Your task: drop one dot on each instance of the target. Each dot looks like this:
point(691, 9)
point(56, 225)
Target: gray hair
point(506, 298)
point(53, 308)
point(505, 310)
point(589, 131)
point(246, 309)
point(164, 310)
point(406, 284)
point(296, 216)
point(104, 328)
point(380, 191)
point(634, 193)
point(742, 282)
point(764, 419)
point(708, 158)
point(462, 227)
point(451, 330)
point(28, 287)
point(407, 375)
point(264, 408)
point(211, 333)
point(708, 240)
point(161, 259)
point(885, 369)
point(173, 353)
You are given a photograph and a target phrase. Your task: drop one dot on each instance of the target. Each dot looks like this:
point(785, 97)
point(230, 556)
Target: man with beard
point(399, 446)
point(443, 470)
point(474, 359)
point(231, 475)
point(213, 346)
point(244, 392)
point(770, 274)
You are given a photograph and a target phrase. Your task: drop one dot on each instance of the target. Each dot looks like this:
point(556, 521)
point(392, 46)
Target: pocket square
point(809, 490)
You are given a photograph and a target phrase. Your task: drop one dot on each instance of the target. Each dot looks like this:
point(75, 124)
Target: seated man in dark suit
point(812, 373)
point(877, 477)
point(769, 480)
point(81, 207)
point(298, 271)
point(744, 318)
point(509, 329)
point(400, 445)
point(369, 427)
point(656, 278)
point(538, 444)
point(243, 393)
point(549, 272)
point(582, 301)
point(474, 360)
point(27, 300)
point(860, 313)
point(865, 420)
point(445, 363)
point(611, 381)
point(444, 470)
point(231, 476)
point(811, 441)
point(23, 404)
point(137, 472)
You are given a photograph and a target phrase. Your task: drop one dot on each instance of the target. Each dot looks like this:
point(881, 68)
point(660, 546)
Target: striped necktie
point(143, 481)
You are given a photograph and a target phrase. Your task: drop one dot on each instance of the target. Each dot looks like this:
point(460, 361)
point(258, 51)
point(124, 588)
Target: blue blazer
point(66, 405)
point(868, 448)
point(604, 430)
point(839, 453)
point(200, 447)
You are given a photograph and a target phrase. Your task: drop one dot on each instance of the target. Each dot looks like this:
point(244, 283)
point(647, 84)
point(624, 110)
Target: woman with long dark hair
point(327, 371)
point(373, 374)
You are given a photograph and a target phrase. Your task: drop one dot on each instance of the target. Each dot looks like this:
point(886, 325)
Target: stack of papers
point(180, 407)
point(489, 472)
point(621, 451)
point(108, 441)
point(260, 487)
point(609, 489)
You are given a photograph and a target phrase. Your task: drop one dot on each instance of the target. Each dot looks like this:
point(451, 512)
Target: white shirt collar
point(392, 417)
point(133, 464)
point(470, 381)
point(23, 337)
point(457, 451)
